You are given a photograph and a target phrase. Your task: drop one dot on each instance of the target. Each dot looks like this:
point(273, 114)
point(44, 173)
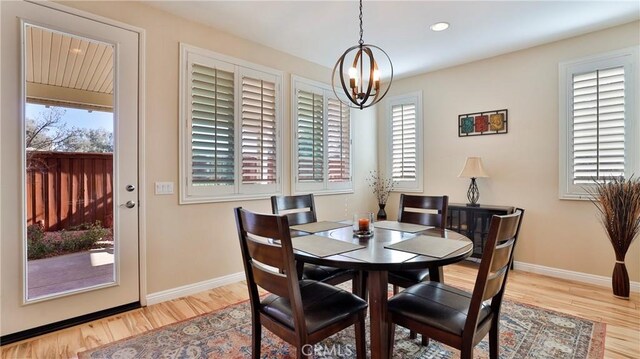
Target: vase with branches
point(381, 187)
point(618, 202)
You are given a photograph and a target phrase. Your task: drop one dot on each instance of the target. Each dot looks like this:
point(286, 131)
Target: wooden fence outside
point(67, 189)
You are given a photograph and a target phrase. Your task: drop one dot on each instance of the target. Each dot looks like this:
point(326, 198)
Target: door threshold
point(67, 323)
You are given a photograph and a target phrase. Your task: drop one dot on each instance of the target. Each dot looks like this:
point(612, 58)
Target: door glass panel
point(69, 145)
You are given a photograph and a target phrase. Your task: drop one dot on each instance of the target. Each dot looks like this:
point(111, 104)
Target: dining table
point(373, 259)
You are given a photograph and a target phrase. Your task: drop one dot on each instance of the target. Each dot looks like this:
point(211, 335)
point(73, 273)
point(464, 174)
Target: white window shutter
point(230, 146)
point(403, 142)
point(212, 126)
point(598, 116)
point(259, 132)
point(338, 141)
point(598, 125)
point(310, 133)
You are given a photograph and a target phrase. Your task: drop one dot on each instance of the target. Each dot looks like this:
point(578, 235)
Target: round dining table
point(374, 259)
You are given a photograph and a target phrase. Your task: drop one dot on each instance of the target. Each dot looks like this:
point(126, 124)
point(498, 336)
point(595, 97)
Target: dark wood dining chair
point(413, 209)
point(301, 312)
point(301, 209)
point(455, 317)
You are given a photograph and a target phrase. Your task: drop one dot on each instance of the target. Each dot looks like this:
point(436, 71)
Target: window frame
point(238, 191)
point(325, 187)
point(628, 58)
point(414, 98)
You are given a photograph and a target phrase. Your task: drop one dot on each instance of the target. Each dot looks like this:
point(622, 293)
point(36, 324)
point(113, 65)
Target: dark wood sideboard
point(473, 222)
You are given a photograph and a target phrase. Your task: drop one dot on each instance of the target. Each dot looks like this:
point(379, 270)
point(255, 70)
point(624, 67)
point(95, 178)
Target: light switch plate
point(164, 187)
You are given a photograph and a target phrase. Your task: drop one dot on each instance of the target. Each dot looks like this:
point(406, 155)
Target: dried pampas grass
point(618, 201)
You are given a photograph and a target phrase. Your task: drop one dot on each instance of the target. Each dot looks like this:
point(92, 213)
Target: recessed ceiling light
point(439, 26)
point(76, 51)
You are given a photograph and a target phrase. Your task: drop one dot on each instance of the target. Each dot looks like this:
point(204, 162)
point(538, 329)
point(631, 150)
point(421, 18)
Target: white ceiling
point(320, 31)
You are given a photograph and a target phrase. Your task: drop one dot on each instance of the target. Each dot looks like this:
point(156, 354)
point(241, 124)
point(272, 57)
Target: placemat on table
point(315, 227)
point(402, 227)
point(368, 256)
point(430, 246)
point(322, 246)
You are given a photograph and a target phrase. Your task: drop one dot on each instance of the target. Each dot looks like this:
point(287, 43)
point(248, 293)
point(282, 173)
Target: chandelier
point(361, 81)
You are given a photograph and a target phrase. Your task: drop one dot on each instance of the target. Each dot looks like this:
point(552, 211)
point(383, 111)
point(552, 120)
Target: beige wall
point(523, 164)
point(187, 244)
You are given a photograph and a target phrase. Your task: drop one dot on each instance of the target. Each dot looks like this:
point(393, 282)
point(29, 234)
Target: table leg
point(436, 274)
point(378, 282)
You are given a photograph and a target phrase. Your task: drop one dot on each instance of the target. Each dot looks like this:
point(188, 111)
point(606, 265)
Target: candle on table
point(363, 224)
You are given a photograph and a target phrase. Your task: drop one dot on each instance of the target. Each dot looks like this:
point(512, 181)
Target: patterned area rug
point(526, 332)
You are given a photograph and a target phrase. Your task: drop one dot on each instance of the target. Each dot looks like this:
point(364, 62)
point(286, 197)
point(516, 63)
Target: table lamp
point(473, 169)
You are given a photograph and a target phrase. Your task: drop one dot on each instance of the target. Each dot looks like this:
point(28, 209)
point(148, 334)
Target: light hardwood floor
point(583, 300)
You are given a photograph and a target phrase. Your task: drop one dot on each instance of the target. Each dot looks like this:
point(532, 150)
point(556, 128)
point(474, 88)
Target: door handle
point(130, 204)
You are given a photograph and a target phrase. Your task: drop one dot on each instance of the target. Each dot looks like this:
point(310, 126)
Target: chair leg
point(358, 285)
point(361, 342)
point(412, 334)
point(425, 340)
point(466, 353)
point(256, 338)
point(494, 341)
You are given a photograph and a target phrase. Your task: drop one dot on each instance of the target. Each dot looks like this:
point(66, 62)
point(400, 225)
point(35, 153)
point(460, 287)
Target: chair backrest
point(299, 209)
point(259, 235)
point(437, 203)
point(494, 266)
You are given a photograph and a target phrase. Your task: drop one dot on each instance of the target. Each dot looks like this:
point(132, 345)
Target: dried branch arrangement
point(381, 186)
point(618, 201)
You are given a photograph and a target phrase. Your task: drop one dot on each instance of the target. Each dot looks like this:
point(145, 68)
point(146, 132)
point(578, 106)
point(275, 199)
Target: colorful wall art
point(483, 123)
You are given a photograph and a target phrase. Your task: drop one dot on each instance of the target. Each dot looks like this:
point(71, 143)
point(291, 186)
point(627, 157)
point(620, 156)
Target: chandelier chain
point(361, 32)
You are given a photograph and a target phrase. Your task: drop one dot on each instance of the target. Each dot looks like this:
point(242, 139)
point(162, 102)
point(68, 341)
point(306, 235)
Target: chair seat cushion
point(321, 273)
point(437, 305)
point(322, 304)
point(409, 276)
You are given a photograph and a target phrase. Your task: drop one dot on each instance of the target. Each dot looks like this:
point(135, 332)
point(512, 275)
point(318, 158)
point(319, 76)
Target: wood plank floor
point(583, 300)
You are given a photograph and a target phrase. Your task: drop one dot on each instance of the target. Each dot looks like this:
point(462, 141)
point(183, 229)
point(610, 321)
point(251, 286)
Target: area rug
point(525, 332)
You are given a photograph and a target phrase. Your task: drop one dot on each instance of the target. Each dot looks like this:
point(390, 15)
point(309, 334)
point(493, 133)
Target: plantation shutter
point(310, 137)
point(212, 126)
point(403, 142)
point(258, 148)
point(598, 125)
point(338, 141)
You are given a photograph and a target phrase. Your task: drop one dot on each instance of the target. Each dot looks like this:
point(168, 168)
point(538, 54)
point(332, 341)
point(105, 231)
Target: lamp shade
point(473, 168)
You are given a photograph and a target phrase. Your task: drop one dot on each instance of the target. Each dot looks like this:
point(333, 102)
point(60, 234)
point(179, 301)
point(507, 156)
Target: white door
point(22, 27)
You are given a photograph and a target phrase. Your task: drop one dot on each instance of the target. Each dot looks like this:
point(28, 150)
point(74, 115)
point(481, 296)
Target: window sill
point(231, 198)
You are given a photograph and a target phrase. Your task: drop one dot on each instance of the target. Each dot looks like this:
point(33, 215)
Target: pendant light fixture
point(361, 80)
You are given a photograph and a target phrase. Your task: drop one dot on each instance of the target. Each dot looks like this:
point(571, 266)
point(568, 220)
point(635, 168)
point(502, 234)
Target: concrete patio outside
point(69, 272)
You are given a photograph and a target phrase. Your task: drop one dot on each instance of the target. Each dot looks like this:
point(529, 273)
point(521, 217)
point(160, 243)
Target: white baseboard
point(190, 289)
point(194, 288)
point(571, 275)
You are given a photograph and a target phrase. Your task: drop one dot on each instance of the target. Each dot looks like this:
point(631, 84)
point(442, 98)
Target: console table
point(473, 222)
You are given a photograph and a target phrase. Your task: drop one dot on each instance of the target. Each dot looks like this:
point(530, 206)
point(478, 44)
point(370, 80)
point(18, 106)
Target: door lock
point(130, 188)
